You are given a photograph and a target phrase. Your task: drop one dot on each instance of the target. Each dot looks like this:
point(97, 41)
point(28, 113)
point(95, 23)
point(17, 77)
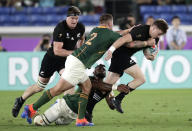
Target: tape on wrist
point(112, 49)
point(145, 43)
point(114, 87)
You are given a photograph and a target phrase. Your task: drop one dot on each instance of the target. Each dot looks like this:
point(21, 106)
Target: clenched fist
point(123, 88)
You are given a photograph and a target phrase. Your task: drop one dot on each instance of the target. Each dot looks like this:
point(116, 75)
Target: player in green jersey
point(99, 40)
point(64, 111)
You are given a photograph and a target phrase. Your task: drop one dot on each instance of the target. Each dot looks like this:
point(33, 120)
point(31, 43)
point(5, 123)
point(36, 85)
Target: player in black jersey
point(67, 36)
point(121, 59)
point(64, 111)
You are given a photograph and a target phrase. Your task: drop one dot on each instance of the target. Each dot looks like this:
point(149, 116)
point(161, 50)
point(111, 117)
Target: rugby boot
point(83, 122)
point(17, 106)
point(89, 117)
point(117, 105)
point(28, 113)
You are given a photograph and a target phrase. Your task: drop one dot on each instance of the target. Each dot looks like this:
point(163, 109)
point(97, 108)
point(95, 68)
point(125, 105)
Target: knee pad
point(41, 84)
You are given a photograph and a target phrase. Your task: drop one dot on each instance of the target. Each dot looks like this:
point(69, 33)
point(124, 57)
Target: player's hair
point(161, 24)
point(73, 11)
point(175, 17)
point(105, 18)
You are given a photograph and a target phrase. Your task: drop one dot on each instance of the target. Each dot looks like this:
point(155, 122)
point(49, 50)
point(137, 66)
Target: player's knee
point(142, 80)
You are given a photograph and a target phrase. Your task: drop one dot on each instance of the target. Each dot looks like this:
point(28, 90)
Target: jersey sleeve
point(115, 36)
point(57, 34)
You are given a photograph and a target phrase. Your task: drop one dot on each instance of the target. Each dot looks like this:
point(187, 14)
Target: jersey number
point(93, 35)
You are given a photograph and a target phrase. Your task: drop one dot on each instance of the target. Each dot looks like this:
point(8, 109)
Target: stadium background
point(21, 28)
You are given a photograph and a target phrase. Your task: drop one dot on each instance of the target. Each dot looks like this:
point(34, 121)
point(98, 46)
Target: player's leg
point(46, 71)
point(31, 110)
point(83, 99)
point(112, 78)
point(138, 79)
point(58, 112)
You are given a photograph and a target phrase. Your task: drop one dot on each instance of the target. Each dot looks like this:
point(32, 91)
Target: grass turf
point(144, 110)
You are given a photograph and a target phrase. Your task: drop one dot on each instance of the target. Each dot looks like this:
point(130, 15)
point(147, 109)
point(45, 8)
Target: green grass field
point(144, 110)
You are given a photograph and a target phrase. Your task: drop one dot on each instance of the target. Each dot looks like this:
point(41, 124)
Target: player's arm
point(118, 43)
point(59, 51)
point(58, 42)
point(140, 44)
point(126, 31)
point(108, 87)
point(81, 41)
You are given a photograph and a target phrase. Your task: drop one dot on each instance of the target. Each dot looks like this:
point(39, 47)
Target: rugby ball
point(153, 49)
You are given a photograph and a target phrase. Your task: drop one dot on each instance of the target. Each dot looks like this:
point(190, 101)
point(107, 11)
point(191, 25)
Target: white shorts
point(75, 71)
point(60, 112)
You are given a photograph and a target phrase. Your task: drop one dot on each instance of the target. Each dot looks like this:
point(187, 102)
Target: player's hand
point(123, 88)
point(108, 55)
point(150, 42)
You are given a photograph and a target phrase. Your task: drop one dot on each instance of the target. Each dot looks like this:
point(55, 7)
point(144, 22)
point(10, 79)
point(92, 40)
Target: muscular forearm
point(63, 52)
point(136, 44)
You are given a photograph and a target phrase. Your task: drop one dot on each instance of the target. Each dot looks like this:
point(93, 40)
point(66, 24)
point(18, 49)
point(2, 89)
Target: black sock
point(21, 99)
point(123, 94)
point(131, 89)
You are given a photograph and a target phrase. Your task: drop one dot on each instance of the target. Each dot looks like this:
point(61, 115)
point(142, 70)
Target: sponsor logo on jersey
point(131, 61)
point(42, 72)
point(60, 35)
point(67, 36)
point(139, 35)
point(78, 35)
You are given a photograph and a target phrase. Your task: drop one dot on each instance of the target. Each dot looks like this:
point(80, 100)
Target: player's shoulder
point(80, 25)
point(91, 77)
point(142, 27)
point(61, 24)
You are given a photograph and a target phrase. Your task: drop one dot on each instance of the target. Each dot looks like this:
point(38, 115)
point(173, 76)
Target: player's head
point(176, 21)
point(100, 71)
point(158, 28)
point(73, 16)
point(106, 20)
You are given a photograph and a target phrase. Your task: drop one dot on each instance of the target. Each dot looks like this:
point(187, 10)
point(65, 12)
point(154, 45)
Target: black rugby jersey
point(138, 33)
point(62, 33)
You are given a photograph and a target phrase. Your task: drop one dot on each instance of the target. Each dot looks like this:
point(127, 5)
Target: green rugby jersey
point(97, 43)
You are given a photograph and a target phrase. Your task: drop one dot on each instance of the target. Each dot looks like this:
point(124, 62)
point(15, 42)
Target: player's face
point(100, 71)
point(72, 21)
point(155, 31)
point(110, 24)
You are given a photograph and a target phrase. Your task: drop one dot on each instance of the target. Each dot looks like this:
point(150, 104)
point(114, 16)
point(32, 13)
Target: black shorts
point(120, 61)
point(50, 64)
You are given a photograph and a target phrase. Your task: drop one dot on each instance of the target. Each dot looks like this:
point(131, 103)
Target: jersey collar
point(101, 27)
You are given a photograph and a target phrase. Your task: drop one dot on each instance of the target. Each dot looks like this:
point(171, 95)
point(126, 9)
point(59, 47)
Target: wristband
point(112, 49)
